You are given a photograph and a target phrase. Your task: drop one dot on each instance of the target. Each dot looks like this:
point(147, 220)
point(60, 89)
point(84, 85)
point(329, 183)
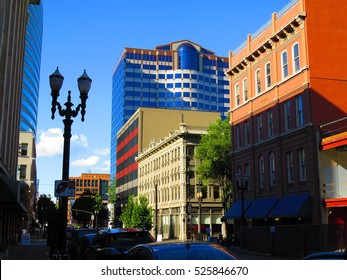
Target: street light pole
point(199, 196)
point(56, 82)
point(242, 187)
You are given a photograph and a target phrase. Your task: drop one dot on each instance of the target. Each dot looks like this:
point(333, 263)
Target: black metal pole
point(65, 177)
point(156, 212)
point(242, 214)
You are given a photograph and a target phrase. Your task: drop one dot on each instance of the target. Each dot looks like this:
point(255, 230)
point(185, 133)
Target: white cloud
point(102, 152)
point(51, 142)
point(103, 168)
point(90, 161)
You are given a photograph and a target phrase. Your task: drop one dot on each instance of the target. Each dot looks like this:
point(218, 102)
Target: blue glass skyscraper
point(179, 75)
point(32, 65)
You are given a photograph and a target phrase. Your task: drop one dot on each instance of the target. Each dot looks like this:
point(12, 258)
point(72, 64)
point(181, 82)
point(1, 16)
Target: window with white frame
point(284, 64)
point(299, 110)
point(247, 136)
point(22, 171)
point(245, 89)
point(268, 75)
point(237, 94)
point(287, 118)
point(270, 124)
point(272, 169)
point(296, 58)
point(261, 171)
point(260, 127)
point(302, 165)
point(290, 175)
point(257, 81)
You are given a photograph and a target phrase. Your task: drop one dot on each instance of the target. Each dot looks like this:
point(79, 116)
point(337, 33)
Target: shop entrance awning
point(235, 211)
point(9, 189)
point(261, 207)
point(292, 205)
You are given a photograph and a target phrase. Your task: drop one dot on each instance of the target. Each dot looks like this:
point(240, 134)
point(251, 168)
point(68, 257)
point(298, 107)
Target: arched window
point(302, 165)
point(272, 169)
point(268, 75)
point(261, 167)
point(296, 58)
point(284, 64)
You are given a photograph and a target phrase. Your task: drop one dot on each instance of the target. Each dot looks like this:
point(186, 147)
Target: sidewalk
point(37, 250)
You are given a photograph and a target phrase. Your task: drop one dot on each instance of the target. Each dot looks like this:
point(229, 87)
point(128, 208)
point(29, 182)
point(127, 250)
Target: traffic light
point(189, 208)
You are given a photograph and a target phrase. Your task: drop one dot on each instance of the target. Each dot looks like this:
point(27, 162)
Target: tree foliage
point(45, 208)
point(112, 191)
point(214, 154)
point(137, 213)
point(85, 206)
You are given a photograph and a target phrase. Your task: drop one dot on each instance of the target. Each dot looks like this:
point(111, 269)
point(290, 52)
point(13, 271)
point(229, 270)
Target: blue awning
point(235, 211)
point(261, 207)
point(292, 205)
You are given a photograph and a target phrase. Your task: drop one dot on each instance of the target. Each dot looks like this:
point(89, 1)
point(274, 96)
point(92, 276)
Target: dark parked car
point(112, 243)
point(180, 251)
point(74, 239)
point(327, 256)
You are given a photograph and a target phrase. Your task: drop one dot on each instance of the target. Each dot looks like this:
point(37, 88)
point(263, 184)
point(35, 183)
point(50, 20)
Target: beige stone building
point(166, 176)
point(27, 176)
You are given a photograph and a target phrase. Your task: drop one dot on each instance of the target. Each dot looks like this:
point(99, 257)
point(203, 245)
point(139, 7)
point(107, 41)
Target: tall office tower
point(13, 22)
point(179, 75)
point(32, 64)
point(27, 174)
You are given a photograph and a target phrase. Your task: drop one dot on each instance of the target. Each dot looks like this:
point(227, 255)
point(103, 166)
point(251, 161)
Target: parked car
point(180, 251)
point(112, 243)
point(74, 241)
point(327, 256)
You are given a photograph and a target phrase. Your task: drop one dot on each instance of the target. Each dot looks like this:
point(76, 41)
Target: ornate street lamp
point(56, 82)
point(199, 197)
point(242, 185)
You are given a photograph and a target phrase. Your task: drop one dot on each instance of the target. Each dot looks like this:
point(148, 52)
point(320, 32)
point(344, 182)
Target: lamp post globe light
point(56, 82)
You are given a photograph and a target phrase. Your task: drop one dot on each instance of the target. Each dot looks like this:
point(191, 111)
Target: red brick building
point(286, 80)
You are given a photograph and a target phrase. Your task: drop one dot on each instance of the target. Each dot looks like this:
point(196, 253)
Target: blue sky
point(91, 35)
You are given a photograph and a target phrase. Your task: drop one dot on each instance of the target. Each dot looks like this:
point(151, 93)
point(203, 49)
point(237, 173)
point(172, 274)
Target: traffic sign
point(64, 188)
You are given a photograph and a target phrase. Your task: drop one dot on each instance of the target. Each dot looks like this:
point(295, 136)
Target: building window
point(238, 136)
point(296, 58)
point(237, 94)
point(284, 64)
point(272, 167)
point(247, 175)
point(289, 158)
point(260, 127)
point(270, 124)
point(22, 171)
point(257, 81)
point(299, 111)
point(268, 75)
point(247, 136)
point(302, 165)
point(287, 115)
point(261, 172)
point(245, 90)
point(24, 149)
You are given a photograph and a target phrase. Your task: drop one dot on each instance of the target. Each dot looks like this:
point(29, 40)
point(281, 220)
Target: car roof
point(176, 246)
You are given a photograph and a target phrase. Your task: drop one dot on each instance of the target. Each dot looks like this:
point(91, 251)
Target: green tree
point(112, 191)
point(214, 154)
point(137, 213)
point(45, 207)
point(85, 206)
